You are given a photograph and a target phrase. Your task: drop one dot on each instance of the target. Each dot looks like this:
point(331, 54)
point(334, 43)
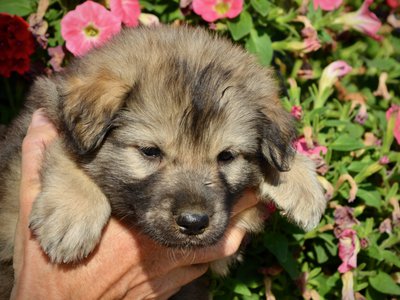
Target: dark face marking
point(206, 90)
point(154, 205)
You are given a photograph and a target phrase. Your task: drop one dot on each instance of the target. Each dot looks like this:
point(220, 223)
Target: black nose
point(192, 223)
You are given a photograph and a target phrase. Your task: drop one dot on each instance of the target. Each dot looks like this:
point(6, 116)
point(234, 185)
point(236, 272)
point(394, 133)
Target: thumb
point(41, 133)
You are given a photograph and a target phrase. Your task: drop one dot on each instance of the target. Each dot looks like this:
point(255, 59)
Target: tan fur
point(68, 227)
point(308, 204)
point(193, 96)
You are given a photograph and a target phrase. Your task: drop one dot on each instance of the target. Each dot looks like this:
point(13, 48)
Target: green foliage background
point(295, 262)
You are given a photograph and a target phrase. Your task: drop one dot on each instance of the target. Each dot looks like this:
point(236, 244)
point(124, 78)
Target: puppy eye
point(151, 152)
point(226, 156)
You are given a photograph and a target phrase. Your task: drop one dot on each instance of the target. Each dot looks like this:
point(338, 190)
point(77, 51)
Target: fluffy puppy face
point(174, 145)
point(173, 162)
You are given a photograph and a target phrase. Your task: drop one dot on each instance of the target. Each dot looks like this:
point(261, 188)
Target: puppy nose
point(192, 223)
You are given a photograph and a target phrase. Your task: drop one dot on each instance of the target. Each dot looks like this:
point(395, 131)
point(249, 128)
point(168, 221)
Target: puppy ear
point(277, 137)
point(297, 192)
point(88, 106)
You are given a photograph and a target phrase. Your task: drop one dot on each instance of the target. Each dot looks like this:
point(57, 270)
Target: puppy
point(164, 129)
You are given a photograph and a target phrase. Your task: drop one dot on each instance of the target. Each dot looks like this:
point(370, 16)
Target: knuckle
point(200, 269)
point(232, 242)
point(231, 247)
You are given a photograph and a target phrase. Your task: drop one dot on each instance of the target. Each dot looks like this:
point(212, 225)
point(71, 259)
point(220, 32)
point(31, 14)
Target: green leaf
point(321, 254)
point(314, 273)
point(393, 191)
point(336, 123)
point(390, 258)
point(261, 6)
point(371, 198)
point(57, 39)
point(53, 15)
point(346, 143)
point(355, 130)
point(357, 166)
point(17, 7)
point(242, 289)
point(326, 284)
point(383, 283)
point(374, 252)
point(261, 46)
point(240, 26)
point(277, 244)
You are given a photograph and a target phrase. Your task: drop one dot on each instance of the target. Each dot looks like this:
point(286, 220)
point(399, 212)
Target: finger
point(248, 199)
point(168, 294)
point(41, 133)
point(169, 283)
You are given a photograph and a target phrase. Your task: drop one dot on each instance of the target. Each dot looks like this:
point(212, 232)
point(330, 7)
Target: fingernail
point(39, 118)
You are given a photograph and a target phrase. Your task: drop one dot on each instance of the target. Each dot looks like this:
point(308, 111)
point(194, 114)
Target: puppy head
point(173, 125)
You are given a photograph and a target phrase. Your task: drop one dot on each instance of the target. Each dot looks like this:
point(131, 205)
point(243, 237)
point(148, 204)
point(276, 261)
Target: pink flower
point(362, 115)
point(128, 11)
point(57, 56)
point(311, 42)
point(302, 147)
point(89, 25)
point(395, 110)
point(384, 160)
point(212, 10)
point(332, 73)
point(393, 3)
point(362, 20)
point(297, 112)
point(396, 211)
point(386, 226)
point(327, 4)
point(314, 152)
point(344, 218)
point(349, 246)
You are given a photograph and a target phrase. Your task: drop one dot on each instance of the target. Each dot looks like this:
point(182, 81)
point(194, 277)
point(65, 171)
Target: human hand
point(126, 264)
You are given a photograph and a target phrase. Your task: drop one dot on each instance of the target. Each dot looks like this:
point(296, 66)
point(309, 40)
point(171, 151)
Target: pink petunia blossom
point(362, 115)
point(362, 20)
point(386, 226)
point(344, 218)
point(349, 246)
point(313, 151)
point(302, 147)
point(384, 160)
point(396, 211)
point(395, 110)
point(89, 25)
point(311, 42)
point(393, 3)
point(212, 10)
point(57, 56)
point(128, 11)
point(332, 73)
point(296, 112)
point(327, 5)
